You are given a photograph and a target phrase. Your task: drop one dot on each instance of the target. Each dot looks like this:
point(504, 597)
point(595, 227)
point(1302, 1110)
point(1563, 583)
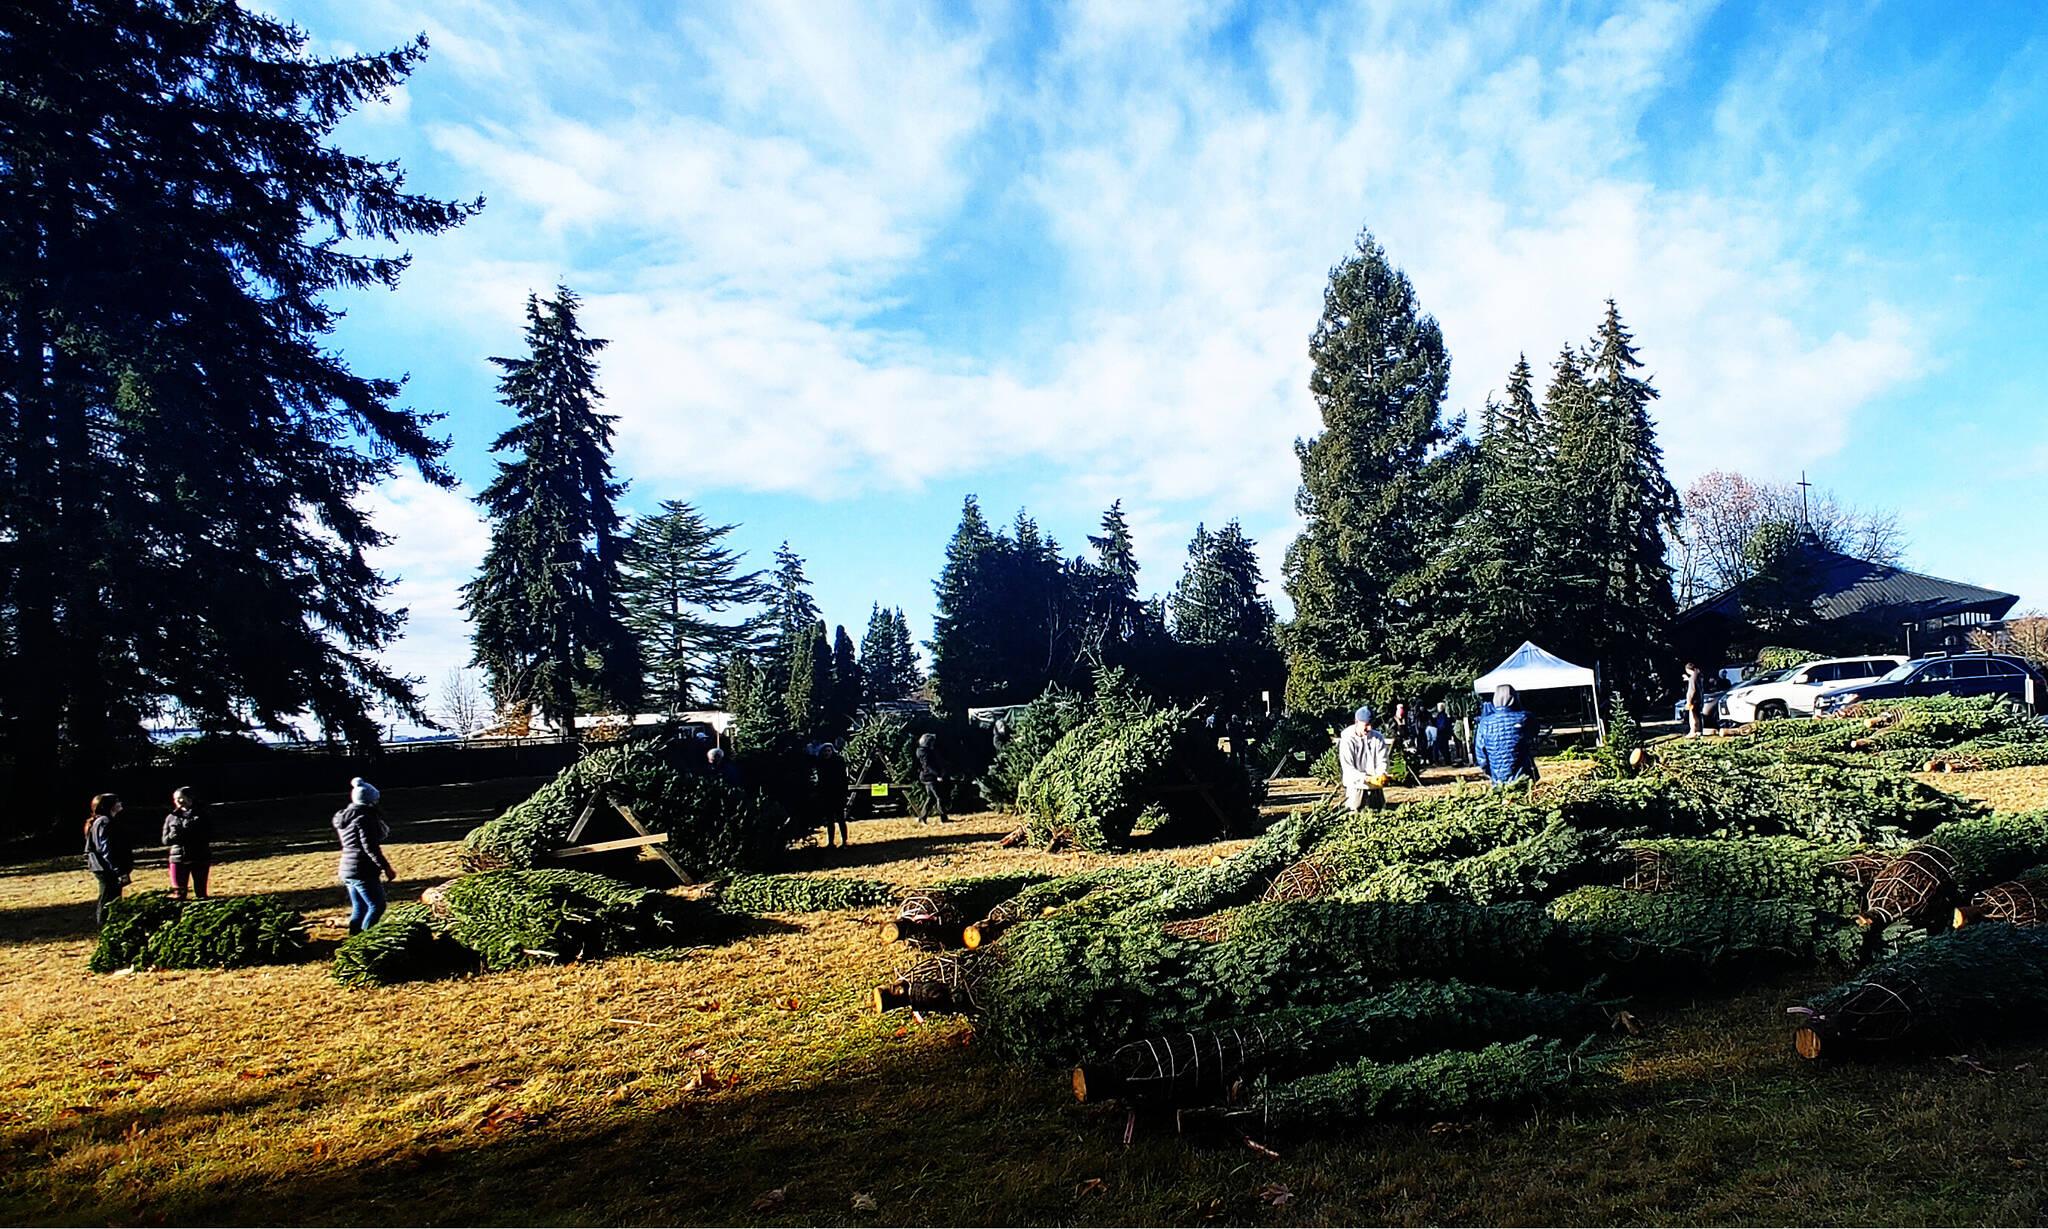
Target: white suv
point(1783, 693)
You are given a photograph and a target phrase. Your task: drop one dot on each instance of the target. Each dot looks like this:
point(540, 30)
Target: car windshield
point(1898, 673)
point(1768, 676)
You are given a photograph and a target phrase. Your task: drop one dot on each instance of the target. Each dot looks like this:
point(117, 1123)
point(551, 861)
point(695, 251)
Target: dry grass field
point(751, 1082)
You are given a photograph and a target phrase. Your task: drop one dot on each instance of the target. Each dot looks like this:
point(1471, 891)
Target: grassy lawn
point(751, 1083)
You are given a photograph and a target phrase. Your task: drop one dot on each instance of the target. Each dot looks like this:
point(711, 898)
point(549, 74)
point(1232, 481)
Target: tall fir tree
point(546, 604)
point(965, 669)
point(791, 614)
point(677, 580)
point(1218, 609)
point(807, 698)
point(1113, 617)
point(877, 657)
point(903, 653)
point(174, 424)
point(1633, 508)
point(846, 677)
point(1386, 481)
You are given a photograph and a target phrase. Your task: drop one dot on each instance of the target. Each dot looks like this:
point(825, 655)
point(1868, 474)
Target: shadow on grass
point(1713, 1122)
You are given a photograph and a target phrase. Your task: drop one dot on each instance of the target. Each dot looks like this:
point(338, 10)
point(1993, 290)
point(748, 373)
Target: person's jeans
point(932, 800)
point(194, 875)
point(110, 891)
point(365, 903)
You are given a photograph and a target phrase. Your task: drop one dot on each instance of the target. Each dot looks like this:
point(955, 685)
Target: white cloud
point(736, 234)
point(437, 541)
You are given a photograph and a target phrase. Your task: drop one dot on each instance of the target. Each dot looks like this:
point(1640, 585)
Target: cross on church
point(1805, 522)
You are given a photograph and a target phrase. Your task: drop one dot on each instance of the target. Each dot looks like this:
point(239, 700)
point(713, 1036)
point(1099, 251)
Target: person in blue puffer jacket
point(1505, 742)
point(362, 830)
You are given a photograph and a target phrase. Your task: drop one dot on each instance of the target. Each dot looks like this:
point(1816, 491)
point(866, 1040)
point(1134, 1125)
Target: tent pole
point(1599, 721)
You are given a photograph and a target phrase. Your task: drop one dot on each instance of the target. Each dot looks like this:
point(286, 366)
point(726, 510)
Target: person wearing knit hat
point(1363, 755)
point(360, 825)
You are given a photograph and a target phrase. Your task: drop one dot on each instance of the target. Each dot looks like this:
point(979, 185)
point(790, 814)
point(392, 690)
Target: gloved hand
point(1378, 782)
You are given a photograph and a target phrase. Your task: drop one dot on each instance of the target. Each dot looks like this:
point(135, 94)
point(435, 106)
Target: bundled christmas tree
point(1207, 1066)
point(939, 914)
point(1091, 788)
point(1659, 936)
point(409, 943)
point(1926, 882)
point(1448, 1082)
point(801, 894)
point(1782, 867)
point(516, 918)
point(130, 921)
point(1979, 983)
point(151, 931)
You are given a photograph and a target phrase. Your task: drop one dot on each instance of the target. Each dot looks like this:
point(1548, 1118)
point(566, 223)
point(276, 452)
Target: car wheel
point(1771, 710)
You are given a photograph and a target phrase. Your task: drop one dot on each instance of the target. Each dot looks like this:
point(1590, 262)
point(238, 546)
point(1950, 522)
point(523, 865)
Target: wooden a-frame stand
point(657, 841)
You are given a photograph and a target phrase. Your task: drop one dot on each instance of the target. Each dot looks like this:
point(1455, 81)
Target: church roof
point(1849, 588)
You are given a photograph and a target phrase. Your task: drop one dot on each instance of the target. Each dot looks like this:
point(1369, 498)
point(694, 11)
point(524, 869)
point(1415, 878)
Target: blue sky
point(859, 261)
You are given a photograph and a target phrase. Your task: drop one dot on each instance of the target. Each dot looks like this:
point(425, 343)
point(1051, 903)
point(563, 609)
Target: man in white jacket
point(1362, 755)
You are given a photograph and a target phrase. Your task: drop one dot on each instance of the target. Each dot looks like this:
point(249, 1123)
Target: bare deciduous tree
point(462, 702)
point(1724, 510)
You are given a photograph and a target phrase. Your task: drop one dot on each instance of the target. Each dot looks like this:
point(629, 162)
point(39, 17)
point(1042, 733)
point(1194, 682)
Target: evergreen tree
point(964, 666)
point(1385, 482)
point(810, 682)
point(1611, 458)
point(547, 606)
point(903, 654)
point(1217, 608)
point(676, 578)
point(846, 677)
point(1113, 616)
point(180, 452)
point(878, 657)
point(791, 613)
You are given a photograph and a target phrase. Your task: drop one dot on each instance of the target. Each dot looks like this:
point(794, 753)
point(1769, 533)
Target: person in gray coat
point(188, 839)
point(362, 830)
point(107, 852)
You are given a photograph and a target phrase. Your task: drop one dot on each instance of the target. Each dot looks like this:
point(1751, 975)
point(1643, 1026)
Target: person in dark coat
point(362, 830)
point(931, 773)
point(1505, 742)
point(188, 838)
point(107, 852)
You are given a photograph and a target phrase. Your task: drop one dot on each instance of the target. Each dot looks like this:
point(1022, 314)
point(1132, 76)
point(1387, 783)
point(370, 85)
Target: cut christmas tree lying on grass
point(517, 918)
point(1976, 984)
point(152, 931)
point(801, 894)
point(1204, 1067)
point(409, 943)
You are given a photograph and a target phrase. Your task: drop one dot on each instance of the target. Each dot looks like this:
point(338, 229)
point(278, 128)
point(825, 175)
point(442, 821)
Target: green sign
point(879, 791)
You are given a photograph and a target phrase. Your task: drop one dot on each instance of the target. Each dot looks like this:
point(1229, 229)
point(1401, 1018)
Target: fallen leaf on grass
point(256, 1073)
point(1089, 1186)
point(787, 1004)
point(705, 1079)
point(773, 1199)
point(1275, 1195)
point(710, 1005)
point(503, 1116)
point(864, 1203)
point(507, 1085)
point(147, 1075)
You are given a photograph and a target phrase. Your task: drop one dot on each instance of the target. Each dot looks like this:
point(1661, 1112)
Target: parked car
point(1790, 692)
point(1960, 674)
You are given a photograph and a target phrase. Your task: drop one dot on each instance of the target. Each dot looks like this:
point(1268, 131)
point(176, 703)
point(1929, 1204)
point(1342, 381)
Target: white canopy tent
point(1531, 669)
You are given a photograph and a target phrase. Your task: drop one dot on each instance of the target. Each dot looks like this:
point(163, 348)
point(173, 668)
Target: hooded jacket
point(362, 833)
